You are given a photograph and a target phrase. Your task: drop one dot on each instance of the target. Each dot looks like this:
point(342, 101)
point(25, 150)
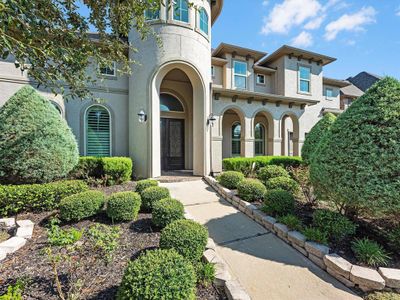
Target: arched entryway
point(263, 132)
point(232, 127)
point(290, 135)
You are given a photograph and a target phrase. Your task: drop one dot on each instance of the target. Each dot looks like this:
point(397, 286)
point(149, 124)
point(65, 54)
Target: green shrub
point(166, 211)
point(244, 164)
point(370, 252)
point(111, 170)
point(36, 144)
point(251, 190)
point(356, 164)
point(144, 184)
point(292, 222)
point(383, 296)
point(315, 136)
point(62, 237)
point(278, 203)
point(104, 239)
point(230, 179)
point(123, 206)
point(153, 194)
point(336, 226)
point(205, 272)
point(269, 172)
point(283, 183)
point(37, 197)
point(315, 235)
point(394, 238)
point(187, 237)
point(81, 206)
point(159, 274)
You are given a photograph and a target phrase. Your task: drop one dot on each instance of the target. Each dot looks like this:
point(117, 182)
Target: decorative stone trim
point(23, 230)
point(350, 275)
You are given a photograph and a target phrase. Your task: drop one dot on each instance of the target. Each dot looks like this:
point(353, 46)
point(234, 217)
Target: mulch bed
point(100, 280)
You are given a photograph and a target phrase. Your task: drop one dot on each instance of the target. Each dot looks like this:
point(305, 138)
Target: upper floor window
point(108, 70)
point(181, 11)
point(304, 79)
point(203, 20)
point(240, 74)
point(329, 93)
point(236, 135)
point(260, 79)
point(150, 14)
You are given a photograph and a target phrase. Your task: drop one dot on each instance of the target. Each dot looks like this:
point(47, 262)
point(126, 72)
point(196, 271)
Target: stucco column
point(248, 138)
point(216, 146)
point(277, 139)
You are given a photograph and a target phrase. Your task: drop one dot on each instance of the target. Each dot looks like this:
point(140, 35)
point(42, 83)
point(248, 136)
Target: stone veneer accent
point(350, 275)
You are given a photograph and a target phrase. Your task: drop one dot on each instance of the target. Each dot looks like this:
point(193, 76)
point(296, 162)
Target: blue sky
point(364, 35)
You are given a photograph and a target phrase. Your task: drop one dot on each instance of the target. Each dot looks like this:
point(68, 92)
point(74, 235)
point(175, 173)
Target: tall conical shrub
point(315, 136)
point(357, 165)
point(36, 144)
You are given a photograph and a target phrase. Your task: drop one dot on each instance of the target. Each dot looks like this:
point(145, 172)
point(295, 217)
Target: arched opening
point(97, 131)
point(203, 20)
point(290, 135)
point(263, 126)
point(232, 129)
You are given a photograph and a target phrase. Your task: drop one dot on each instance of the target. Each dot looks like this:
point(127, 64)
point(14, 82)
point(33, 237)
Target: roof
point(335, 111)
point(336, 82)
point(352, 91)
point(299, 53)
point(228, 48)
point(364, 80)
point(216, 8)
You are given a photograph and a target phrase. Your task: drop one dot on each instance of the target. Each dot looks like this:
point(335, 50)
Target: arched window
point(236, 134)
point(259, 139)
point(181, 11)
point(98, 131)
point(203, 20)
point(169, 103)
point(56, 106)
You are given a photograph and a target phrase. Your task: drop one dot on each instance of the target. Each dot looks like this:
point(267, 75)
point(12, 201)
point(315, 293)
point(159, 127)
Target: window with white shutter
point(98, 131)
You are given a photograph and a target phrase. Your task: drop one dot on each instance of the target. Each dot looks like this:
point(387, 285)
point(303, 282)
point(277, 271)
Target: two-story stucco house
point(187, 106)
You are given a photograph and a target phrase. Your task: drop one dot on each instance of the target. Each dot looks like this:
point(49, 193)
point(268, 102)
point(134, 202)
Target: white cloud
point(265, 2)
point(353, 22)
point(304, 39)
point(398, 12)
point(315, 23)
point(290, 13)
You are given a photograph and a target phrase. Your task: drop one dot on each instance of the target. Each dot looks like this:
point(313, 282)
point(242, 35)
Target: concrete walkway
point(266, 266)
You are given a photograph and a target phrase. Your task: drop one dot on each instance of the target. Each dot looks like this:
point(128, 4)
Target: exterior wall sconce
point(142, 116)
point(211, 120)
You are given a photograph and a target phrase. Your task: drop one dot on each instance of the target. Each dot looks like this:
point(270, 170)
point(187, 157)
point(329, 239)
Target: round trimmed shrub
point(284, 183)
point(230, 179)
point(315, 136)
point(141, 185)
point(81, 206)
point(167, 211)
point(158, 274)
point(123, 206)
point(36, 143)
point(153, 194)
point(278, 203)
point(272, 171)
point(356, 166)
point(187, 237)
point(251, 190)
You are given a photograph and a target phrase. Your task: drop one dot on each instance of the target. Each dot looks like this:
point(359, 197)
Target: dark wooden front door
point(172, 144)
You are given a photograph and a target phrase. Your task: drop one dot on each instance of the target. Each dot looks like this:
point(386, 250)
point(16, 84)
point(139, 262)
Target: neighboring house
point(364, 80)
point(348, 95)
point(188, 107)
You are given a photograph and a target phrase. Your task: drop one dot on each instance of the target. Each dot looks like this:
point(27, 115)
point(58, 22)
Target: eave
point(264, 70)
point(224, 48)
point(217, 61)
point(216, 8)
point(335, 111)
point(336, 82)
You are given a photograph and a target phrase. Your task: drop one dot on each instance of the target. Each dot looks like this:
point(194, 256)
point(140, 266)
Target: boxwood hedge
point(81, 206)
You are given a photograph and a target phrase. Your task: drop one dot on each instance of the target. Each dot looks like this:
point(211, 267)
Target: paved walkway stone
point(263, 264)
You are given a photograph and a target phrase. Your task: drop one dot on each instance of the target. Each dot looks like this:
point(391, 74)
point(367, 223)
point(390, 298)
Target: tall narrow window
point(181, 11)
point(259, 139)
point(304, 79)
point(203, 20)
point(98, 131)
point(240, 74)
point(236, 134)
point(151, 14)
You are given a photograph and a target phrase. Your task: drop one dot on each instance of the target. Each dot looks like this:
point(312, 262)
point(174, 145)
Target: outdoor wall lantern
point(142, 116)
point(211, 120)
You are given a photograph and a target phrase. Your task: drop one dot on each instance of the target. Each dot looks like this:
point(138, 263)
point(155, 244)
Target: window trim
point(202, 9)
point(173, 12)
point(259, 83)
point(174, 111)
point(85, 128)
point(240, 75)
point(234, 124)
point(114, 67)
point(262, 140)
point(326, 94)
point(299, 79)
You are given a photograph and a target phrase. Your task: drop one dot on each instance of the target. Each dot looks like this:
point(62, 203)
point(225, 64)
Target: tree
point(36, 144)
point(50, 39)
point(357, 163)
point(315, 136)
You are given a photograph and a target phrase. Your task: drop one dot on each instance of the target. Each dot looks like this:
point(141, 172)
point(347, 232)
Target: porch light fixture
point(142, 116)
point(211, 120)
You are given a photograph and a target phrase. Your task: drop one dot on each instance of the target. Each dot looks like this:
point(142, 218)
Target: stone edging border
point(223, 278)
point(24, 231)
point(350, 275)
